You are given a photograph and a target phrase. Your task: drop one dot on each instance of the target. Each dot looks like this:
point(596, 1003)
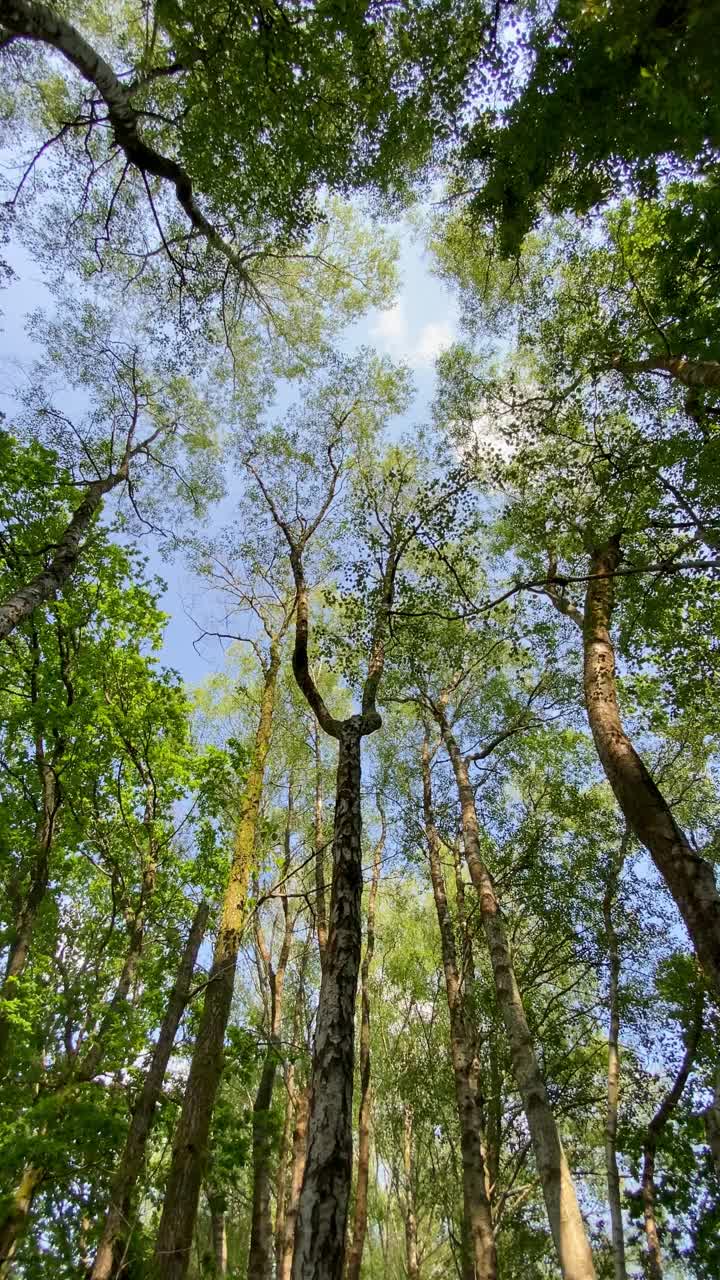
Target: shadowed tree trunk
point(566, 1223)
point(613, 1071)
point(189, 1155)
point(480, 1260)
point(363, 1159)
point(133, 1155)
point(14, 1224)
point(261, 1238)
point(689, 877)
point(652, 1137)
point(320, 887)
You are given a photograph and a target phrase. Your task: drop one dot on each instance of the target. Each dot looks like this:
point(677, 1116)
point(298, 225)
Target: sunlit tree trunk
point(319, 835)
point(172, 1251)
point(566, 1223)
point(689, 877)
point(479, 1239)
point(15, 1221)
point(133, 1155)
point(613, 1071)
point(363, 1160)
point(218, 1227)
point(261, 1238)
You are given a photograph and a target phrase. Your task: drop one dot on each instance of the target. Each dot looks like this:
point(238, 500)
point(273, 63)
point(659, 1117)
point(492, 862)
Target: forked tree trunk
point(322, 1212)
point(412, 1263)
point(363, 1160)
point(480, 1261)
point(19, 606)
point(301, 1104)
point(613, 1071)
point(689, 877)
point(189, 1155)
point(131, 1161)
point(652, 1137)
point(566, 1223)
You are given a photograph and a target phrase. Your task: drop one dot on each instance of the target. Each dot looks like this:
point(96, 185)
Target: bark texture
point(322, 1213)
point(692, 373)
point(480, 1262)
point(116, 1222)
point(690, 878)
point(363, 1160)
point(172, 1250)
point(566, 1223)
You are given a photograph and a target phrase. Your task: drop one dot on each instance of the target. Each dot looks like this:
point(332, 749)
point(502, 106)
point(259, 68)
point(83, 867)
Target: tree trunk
point(712, 1122)
point(31, 901)
point(172, 1250)
point(297, 1170)
point(566, 1223)
point(20, 605)
point(322, 1212)
point(652, 1138)
point(363, 1161)
point(689, 877)
point(480, 1262)
point(613, 1071)
point(412, 1264)
point(131, 1160)
point(692, 373)
point(219, 1238)
point(14, 1224)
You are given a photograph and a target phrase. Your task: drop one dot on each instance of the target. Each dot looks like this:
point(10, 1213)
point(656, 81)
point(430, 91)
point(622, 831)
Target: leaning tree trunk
point(15, 1221)
point(19, 606)
point(480, 1261)
point(566, 1223)
point(177, 1224)
point(322, 1211)
point(689, 877)
point(692, 373)
point(133, 1155)
point(363, 1161)
point(613, 1071)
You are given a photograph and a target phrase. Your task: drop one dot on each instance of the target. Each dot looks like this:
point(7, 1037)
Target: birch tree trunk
point(19, 606)
point(480, 1261)
point(172, 1250)
point(566, 1223)
point(117, 1220)
point(363, 1160)
point(322, 1211)
point(690, 879)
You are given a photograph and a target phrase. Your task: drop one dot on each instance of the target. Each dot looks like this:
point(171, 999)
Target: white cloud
point(391, 332)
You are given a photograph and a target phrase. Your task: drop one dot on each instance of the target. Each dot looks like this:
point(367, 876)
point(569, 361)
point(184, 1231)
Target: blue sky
point(415, 330)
